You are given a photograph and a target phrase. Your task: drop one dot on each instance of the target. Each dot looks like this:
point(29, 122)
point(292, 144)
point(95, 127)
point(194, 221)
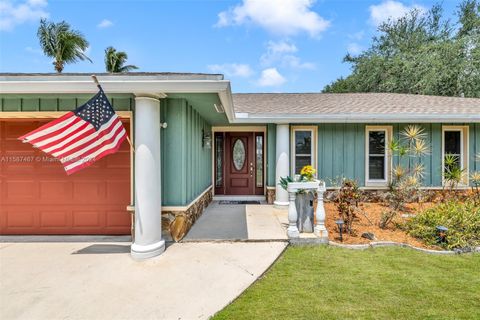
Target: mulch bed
point(373, 211)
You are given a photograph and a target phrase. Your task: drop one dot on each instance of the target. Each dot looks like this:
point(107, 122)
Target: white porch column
point(148, 240)
point(282, 163)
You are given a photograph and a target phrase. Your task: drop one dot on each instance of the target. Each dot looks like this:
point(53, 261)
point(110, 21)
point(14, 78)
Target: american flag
point(81, 137)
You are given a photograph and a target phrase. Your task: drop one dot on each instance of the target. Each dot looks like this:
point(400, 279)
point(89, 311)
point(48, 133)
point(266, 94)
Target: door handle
point(251, 169)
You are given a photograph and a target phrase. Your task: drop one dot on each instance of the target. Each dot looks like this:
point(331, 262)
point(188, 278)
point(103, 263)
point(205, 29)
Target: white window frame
point(388, 159)
point(464, 130)
point(313, 130)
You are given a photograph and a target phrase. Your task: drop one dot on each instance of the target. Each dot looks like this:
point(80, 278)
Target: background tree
point(421, 53)
point(61, 43)
point(115, 61)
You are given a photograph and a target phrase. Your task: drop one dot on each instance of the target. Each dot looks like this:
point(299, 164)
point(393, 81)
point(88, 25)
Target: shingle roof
point(271, 104)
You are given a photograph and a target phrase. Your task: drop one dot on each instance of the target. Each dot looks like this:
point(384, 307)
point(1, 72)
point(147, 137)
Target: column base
point(281, 204)
point(293, 232)
point(141, 252)
point(321, 232)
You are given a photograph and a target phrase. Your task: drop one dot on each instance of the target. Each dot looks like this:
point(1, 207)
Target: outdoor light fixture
point(340, 223)
point(442, 234)
point(206, 139)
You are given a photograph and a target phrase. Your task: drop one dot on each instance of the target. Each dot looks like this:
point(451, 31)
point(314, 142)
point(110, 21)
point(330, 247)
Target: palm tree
point(61, 43)
point(115, 61)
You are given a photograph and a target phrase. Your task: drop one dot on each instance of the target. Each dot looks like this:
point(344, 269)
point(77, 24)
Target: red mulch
point(373, 211)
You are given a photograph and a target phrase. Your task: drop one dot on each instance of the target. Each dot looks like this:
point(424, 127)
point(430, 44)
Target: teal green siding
point(271, 153)
point(186, 164)
point(65, 102)
point(341, 151)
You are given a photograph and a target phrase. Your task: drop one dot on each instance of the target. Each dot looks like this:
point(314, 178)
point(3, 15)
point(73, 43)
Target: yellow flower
point(308, 172)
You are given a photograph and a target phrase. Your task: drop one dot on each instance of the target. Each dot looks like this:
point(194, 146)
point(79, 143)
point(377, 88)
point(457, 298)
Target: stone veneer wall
point(270, 195)
point(176, 224)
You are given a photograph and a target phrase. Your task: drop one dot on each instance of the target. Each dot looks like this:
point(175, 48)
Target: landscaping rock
point(369, 236)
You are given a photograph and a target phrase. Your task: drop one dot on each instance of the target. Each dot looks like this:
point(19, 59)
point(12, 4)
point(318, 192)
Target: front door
point(243, 163)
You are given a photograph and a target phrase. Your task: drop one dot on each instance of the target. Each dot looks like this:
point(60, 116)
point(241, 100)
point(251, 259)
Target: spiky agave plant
point(413, 132)
point(452, 172)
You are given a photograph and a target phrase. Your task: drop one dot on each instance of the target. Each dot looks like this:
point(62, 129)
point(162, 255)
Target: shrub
point(347, 202)
point(461, 218)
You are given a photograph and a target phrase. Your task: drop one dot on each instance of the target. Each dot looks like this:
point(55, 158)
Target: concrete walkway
point(239, 222)
point(101, 281)
point(220, 222)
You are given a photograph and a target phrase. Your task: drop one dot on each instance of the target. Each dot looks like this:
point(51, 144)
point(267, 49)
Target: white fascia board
point(355, 118)
point(114, 86)
point(227, 102)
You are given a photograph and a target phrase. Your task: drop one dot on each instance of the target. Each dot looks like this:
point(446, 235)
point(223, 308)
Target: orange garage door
point(37, 197)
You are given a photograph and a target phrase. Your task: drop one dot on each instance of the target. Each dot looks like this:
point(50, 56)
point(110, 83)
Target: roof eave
point(356, 118)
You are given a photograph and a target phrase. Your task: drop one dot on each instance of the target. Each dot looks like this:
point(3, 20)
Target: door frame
point(251, 129)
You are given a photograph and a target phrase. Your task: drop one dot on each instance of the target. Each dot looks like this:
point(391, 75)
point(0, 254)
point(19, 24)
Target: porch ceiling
point(203, 104)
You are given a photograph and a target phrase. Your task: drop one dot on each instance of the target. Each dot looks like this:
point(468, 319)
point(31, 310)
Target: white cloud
point(390, 9)
point(105, 23)
point(270, 78)
point(282, 52)
point(232, 69)
point(354, 48)
point(14, 13)
point(34, 50)
point(357, 35)
point(287, 17)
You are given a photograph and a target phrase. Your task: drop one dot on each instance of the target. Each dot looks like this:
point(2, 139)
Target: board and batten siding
point(341, 151)
point(65, 102)
point(186, 164)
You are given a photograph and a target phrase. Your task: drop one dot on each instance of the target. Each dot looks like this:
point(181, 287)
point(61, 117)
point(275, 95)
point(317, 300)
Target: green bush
point(461, 218)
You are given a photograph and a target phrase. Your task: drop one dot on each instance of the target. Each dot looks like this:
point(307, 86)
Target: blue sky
point(260, 45)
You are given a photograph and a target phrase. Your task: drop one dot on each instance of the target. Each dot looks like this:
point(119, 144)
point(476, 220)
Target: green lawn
point(325, 282)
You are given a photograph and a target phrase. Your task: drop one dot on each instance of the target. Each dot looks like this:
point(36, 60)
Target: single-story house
point(195, 140)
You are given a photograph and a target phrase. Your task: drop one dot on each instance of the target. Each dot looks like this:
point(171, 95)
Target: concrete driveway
point(101, 281)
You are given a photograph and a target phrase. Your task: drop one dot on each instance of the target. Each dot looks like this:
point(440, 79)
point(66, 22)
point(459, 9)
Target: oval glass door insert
point(238, 154)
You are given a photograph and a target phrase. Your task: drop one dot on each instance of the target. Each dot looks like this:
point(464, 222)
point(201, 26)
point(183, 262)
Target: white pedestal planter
point(316, 186)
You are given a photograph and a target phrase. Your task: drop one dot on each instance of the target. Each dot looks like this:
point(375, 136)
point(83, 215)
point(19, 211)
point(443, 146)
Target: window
point(377, 158)
point(303, 148)
point(455, 147)
point(259, 160)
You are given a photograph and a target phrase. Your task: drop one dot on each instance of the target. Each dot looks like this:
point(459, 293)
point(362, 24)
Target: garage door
point(37, 197)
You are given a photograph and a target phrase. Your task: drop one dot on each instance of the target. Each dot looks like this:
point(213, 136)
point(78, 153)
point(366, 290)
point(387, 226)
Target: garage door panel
point(88, 218)
point(115, 189)
point(54, 219)
point(116, 218)
point(37, 197)
point(117, 160)
point(91, 191)
point(21, 190)
point(53, 190)
point(19, 218)
point(15, 129)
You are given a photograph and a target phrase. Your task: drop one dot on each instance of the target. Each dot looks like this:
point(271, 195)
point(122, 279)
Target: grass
point(324, 282)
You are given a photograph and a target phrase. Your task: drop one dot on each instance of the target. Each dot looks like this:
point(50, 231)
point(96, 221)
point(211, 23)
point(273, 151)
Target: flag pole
point(94, 77)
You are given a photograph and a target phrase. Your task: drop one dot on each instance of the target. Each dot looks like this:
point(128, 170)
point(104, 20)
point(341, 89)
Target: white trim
point(286, 118)
point(387, 158)
point(464, 154)
point(313, 130)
